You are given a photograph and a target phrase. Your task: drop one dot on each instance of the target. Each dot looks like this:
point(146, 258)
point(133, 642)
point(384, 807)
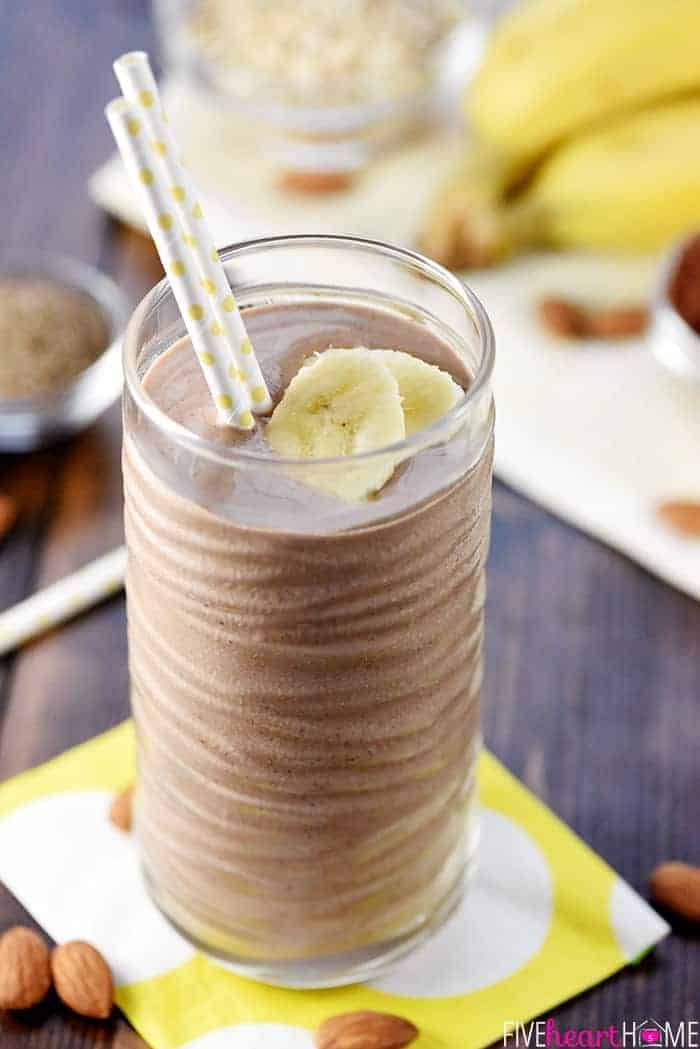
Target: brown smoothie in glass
point(306, 696)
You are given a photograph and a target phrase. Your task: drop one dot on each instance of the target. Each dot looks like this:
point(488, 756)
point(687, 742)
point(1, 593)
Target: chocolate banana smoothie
point(305, 667)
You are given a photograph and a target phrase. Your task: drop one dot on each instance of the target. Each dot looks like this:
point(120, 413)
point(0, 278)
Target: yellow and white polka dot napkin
point(544, 919)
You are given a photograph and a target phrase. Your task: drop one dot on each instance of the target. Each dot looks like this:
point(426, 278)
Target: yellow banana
point(580, 102)
point(632, 184)
point(554, 67)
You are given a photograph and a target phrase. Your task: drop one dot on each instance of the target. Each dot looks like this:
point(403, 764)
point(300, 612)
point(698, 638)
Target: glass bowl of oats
point(328, 82)
point(61, 323)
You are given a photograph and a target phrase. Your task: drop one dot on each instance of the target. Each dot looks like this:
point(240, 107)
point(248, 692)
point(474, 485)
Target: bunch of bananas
point(586, 122)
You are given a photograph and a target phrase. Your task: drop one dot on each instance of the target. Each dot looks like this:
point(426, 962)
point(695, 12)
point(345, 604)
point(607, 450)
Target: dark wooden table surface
point(593, 681)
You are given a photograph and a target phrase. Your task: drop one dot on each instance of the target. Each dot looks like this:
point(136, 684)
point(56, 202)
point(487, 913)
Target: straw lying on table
point(185, 245)
point(62, 600)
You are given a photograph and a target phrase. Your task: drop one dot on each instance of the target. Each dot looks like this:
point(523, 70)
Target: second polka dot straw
point(229, 393)
point(133, 71)
point(177, 225)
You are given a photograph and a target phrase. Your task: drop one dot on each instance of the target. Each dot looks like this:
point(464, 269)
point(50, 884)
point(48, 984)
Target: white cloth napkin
point(597, 433)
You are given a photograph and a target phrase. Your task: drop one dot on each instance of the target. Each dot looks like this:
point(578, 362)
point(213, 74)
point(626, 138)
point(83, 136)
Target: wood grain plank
point(73, 683)
point(592, 689)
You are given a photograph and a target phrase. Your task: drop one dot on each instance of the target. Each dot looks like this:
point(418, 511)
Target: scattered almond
point(621, 322)
point(676, 886)
point(8, 514)
point(82, 979)
point(561, 317)
point(120, 811)
point(365, 1030)
point(316, 181)
point(681, 515)
point(25, 973)
point(571, 320)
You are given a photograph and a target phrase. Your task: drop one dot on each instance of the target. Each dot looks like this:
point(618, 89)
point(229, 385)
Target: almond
point(681, 515)
point(121, 808)
point(365, 1030)
point(82, 979)
point(617, 322)
point(676, 886)
point(8, 514)
point(568, 319)
point(25, 973)
point(561, 317)
point(316, 181)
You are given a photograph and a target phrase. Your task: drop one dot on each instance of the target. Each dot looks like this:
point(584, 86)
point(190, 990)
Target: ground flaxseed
point(49, 333)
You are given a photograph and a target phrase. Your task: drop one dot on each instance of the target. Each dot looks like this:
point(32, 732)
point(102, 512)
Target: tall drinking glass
point(306, 670)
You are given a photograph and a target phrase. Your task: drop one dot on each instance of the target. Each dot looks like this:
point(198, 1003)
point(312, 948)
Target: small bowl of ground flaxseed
point(61, 323)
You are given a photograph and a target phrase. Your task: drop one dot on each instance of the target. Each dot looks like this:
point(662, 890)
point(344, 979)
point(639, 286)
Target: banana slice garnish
point(426, 392)
point(347, 401)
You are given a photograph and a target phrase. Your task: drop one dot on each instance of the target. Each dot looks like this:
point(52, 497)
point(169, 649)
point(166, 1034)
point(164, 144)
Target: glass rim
point(451, 421)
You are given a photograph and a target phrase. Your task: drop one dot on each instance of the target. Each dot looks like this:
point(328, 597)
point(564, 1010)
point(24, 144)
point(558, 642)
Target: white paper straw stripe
point(62, 600)
point(138, 84)
point(229, 395)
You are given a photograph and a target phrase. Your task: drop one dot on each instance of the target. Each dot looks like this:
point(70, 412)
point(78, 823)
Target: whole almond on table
point(25, 973)
point(571, 320)
point(617, 322)
point(120, 811)
point(561, 317)
point(82, 979)
point(676, 885)
point(681, 515)
point(365, 1029)
point(316, 181)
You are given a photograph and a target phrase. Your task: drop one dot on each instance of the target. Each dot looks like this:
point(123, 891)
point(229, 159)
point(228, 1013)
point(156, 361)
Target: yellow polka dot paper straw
point(231, 398)
point(139, 87)
point(62, 600)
